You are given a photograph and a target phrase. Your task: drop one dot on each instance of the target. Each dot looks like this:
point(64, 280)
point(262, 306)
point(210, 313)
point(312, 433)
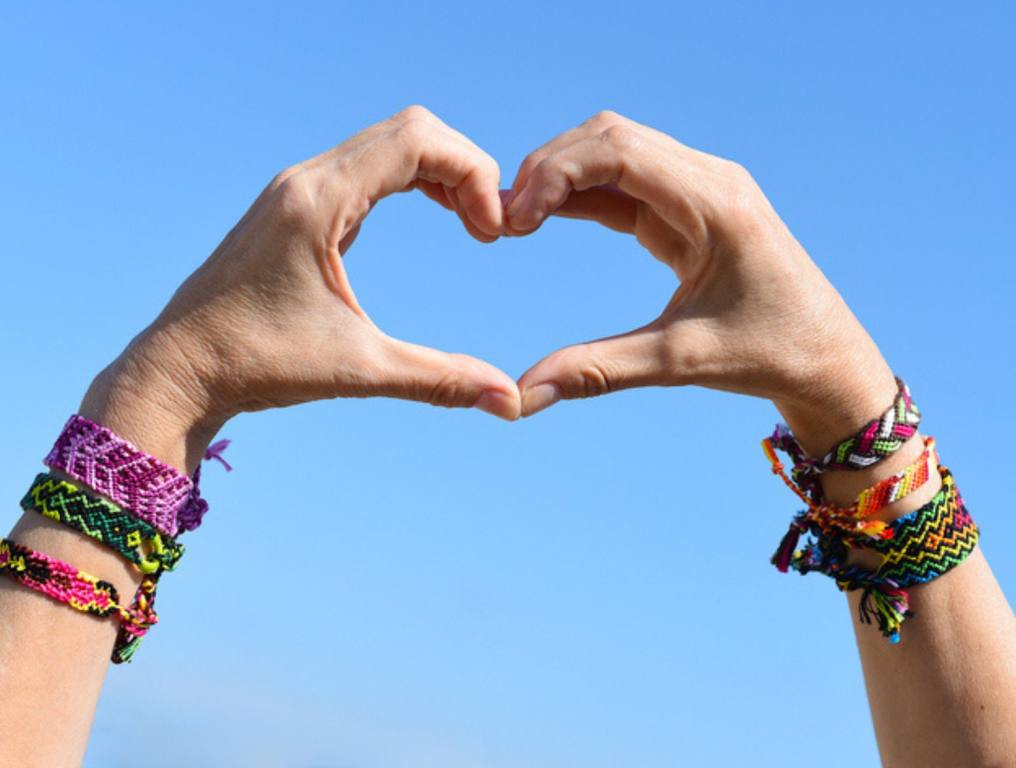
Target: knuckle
point(292, 200)
point(543, 172)
point(742, 201)
point(590, 377)
point(447, 391)
point(622, 138)
point(493, 167)
point(280, 178)
point(414, 112)
point(414, 130)
point(532, 160)
point(739, 173)
point(604, 119)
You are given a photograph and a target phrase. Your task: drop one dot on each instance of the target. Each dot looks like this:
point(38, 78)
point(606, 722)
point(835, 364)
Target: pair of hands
point(270, 319)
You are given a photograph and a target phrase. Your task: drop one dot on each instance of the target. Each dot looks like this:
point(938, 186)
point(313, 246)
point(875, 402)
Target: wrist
point(154, 396)
point(848, 393)
point(861, 393)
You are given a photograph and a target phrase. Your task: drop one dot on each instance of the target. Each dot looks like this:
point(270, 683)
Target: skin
point(754, 315)
point(271, 320)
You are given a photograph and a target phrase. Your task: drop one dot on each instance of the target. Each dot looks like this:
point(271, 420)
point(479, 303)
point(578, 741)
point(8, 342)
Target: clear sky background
point(383, 584)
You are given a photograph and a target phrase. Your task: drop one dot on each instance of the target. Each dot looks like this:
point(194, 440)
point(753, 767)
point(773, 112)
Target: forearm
point(270, 319)
point(946, 693)
point(53, 660)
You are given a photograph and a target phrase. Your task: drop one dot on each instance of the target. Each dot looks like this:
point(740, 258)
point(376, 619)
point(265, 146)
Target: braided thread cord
point(923, 545)
point(874, 442)
point(150, 489)
point(853, 524)
point(143, 618)
point(102, 520)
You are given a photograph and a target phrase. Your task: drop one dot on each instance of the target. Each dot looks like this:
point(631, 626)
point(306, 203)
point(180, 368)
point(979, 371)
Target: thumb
point(414, 372)
point(635, 359)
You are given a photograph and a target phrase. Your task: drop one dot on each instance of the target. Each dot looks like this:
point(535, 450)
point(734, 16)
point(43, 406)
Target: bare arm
point(269, 320)
point(753, 314)
point(946, 694)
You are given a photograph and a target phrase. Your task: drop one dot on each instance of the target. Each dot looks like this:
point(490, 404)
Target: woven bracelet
point(83, 592)
point(924, 545)
point(854, 524)
point(137, 481)
point(900, 485)
point(875, 441)
point(104, 521)
point(58, 580)
point(929, 541)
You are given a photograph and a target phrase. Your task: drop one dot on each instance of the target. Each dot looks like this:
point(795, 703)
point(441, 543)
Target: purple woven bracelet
point(148, 488)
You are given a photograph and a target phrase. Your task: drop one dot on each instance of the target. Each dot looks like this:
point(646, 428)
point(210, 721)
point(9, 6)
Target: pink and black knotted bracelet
point(119, 483)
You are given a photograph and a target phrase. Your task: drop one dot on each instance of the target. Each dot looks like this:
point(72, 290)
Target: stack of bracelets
point(122, 497)
point(912, 549)
point(136, 505)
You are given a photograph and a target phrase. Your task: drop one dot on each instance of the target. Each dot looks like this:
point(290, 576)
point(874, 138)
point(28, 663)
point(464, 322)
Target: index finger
point(626, 158)
point(416, 146)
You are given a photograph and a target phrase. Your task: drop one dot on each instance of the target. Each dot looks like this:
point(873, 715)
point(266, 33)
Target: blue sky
point(434, 588)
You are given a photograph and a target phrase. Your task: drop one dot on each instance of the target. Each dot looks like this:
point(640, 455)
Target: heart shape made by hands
point(747, 315)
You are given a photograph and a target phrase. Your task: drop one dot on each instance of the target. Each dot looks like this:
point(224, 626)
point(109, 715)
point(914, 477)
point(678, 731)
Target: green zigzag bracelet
point(103, 521)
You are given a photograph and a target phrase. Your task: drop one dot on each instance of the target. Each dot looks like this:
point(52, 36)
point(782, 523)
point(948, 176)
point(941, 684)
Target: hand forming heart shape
point(258, 325)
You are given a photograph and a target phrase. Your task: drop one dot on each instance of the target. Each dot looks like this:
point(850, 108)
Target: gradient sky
point(386, 584)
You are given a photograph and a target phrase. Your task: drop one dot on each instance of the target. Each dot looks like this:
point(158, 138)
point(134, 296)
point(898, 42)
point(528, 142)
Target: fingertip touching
point(504, 405)
point(539, 397)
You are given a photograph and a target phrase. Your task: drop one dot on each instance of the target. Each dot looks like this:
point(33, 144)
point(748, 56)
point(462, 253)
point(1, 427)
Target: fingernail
point(539, 397)
point(498, 404)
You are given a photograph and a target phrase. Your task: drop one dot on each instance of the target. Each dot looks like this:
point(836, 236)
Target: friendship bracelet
point(104, 521)
point(853, 523)
point(137, 481)
point(143, 618)
point(875, 441)
point(58, 580)
point(81, 591)
point(929, 541)
point(902, 484)
point(92, 454)
point(879, 438)
point(924, 545)
point(144, 504)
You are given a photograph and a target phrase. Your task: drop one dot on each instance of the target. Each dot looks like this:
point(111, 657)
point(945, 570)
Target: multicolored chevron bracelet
point(140, 483)
point(83, 592)
point(104, 521)
point(929, 541)
point(924, 545)
point(875, 441)
point(853, 523)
